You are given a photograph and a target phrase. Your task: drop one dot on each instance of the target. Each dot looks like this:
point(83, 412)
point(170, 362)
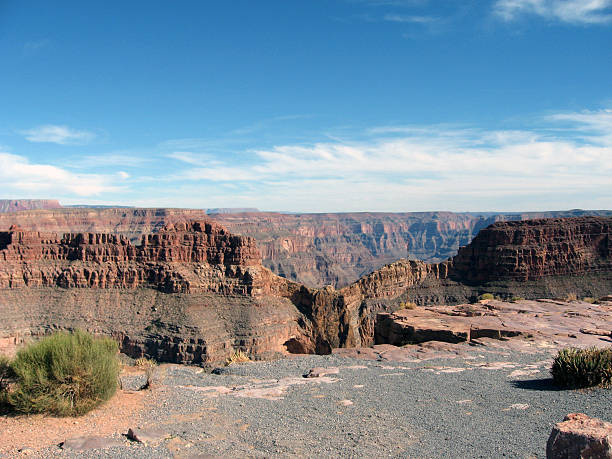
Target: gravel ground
point(485, 405)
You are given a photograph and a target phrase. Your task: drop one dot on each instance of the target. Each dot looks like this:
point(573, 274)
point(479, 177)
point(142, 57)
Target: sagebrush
point(65, 374)
point(577, 368)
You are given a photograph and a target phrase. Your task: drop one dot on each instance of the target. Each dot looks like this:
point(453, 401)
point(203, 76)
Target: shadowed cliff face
point(193, 292)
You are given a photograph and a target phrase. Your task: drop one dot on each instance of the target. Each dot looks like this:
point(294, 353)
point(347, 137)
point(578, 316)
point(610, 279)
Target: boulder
point(581, 437)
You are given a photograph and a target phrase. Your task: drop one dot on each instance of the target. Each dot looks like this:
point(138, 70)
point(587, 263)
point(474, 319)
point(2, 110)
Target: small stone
point(345, 402)
point(147, 436)
point(318, 372)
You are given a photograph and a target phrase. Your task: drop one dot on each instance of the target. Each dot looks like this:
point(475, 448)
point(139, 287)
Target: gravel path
point(485, 405)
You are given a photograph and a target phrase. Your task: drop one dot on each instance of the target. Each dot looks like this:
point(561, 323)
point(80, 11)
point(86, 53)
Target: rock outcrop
point(568, 323)
point(580, 436)
point(189, 293)
point(532, 259)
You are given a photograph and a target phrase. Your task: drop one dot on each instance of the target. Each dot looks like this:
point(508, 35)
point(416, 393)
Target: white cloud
point(123, 175)
point(19, 176)
point(570, 11)
point(62, 135)
point(425, 168)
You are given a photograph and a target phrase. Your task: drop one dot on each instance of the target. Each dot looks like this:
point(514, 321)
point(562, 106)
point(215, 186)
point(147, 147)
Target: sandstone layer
point(313, 249)
point(193, 292)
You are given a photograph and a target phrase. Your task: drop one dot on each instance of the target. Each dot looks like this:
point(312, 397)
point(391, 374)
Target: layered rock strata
point(189, 293)
point(15, 205)
point(313, 249)
point(193, 292)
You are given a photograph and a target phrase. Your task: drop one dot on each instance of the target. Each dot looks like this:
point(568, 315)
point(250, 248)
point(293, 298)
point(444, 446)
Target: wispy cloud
point(439, 167)
point(61, 135)
point(33, 47)
point(19, 175)
point(569, 11)
point(409, 19)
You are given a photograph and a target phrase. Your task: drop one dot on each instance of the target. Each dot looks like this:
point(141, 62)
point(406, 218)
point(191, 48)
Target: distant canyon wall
point(313, 249)
point(193, 292)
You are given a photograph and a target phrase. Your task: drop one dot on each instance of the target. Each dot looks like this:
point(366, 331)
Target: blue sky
point(312, 105)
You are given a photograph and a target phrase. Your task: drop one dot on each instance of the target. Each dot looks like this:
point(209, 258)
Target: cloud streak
point(61, 135)
point(568, 11)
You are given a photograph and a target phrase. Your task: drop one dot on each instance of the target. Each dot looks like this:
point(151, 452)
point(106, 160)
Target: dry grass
point(406, 305)
point(571, 297)
point(237, 357)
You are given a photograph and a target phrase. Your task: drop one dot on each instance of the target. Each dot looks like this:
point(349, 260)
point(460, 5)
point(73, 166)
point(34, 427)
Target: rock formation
point(580, 436)
point(313, 249)
point(15, 205)
point(193, 292)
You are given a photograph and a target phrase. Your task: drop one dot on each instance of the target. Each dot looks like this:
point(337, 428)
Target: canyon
point(193, 292)
point(312, 249)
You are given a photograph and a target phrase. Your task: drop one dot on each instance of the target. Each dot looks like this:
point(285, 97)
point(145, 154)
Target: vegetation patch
point(577, 368)
point(486, 296)
point(237, 357)
point(406, 305)
point(65, 374)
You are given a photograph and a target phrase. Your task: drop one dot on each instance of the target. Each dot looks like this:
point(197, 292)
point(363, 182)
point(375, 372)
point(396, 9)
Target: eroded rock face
point(16, 205)
point(190, 293)
point(193, 292)
point(559, 257)
point(580, 436)
point(218, 261)
point(527, 251)
point(313, 249)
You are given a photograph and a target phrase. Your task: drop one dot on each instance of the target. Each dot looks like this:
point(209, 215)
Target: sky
point(308, 106)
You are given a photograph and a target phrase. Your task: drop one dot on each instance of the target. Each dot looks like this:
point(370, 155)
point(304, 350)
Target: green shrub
point(65, 374)
point(516, 299)
point(486, 296)
point(588, 299)
point(575, 368)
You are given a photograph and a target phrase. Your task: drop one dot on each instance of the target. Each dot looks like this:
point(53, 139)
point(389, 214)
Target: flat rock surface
point(560, 322)
point(485, 401)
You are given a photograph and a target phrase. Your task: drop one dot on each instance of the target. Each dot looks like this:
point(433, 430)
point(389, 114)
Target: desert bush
point(143, 362)
point(237, 357)
point(6, 375)
point(571, 297)
point(575, 368)
point(407, 305)
point(516, 299)
point(486, 296)
point(149, 367)
point(65, 374)
point(588, 299)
